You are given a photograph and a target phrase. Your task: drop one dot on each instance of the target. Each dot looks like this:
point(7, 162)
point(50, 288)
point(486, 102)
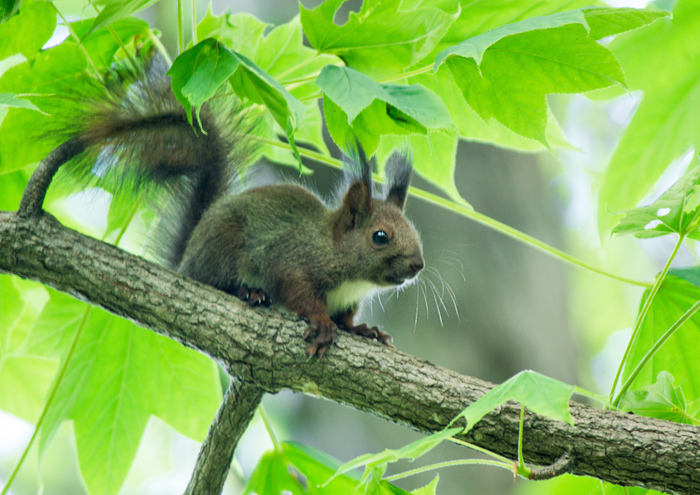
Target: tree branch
point(214, 460)
point(263, 347)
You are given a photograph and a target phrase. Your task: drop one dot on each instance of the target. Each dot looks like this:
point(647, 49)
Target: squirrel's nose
point(416, 263)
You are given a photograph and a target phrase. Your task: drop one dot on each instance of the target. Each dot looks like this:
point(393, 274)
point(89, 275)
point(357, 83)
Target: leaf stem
point(412, 73)
point(74, 35)
point(521, 459)
point(180, 37)
point(657, 345)
point(461, 462)
point(194, 22)
point(296, 67)
point(156, 41)
point(468, 211)
point(268, 427)
point(498, 457)
point(121, 44)
point(640, 317)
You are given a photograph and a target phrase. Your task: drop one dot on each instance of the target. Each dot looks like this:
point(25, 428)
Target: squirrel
point(280, 242)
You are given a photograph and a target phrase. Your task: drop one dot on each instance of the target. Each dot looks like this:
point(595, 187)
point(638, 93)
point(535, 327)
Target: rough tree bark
point(214, 460)
point(264, 348)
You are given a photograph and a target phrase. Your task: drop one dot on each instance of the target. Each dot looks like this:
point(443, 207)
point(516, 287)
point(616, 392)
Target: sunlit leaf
point(373, 109)
point(198, 73)
point(27, 32)
point(101, 44)
point(382, 38)
point(662, 61)
point(119, 375)
point(660, 400)
point(539, 393)
point(429, 489)
point(9, 100)
point(680, 355)
point(433, 157)
point(55, 71)
point(676, 211)
point(411, 451)
point(506, 73)
point(115, 10)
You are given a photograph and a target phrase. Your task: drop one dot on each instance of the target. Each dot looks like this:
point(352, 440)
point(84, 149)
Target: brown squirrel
point(278, 242)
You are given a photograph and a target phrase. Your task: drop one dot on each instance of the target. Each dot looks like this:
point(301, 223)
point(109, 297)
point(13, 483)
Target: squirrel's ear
point(357, 204)
point(398, 175)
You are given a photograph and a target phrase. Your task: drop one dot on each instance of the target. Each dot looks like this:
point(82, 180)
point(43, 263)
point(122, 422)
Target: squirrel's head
point(379, 241)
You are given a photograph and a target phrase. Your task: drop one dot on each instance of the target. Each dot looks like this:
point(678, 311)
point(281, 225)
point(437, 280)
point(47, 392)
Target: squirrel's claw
point(326, 332)
point(371, 333)
point(254, 297)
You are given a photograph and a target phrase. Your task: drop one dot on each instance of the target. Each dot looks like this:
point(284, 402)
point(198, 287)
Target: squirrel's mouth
point(396, 280)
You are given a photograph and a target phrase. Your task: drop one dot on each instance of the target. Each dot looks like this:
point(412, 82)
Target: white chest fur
point(348, 294)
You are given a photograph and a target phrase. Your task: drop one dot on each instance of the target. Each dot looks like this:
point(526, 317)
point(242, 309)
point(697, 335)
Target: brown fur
point(279, 242)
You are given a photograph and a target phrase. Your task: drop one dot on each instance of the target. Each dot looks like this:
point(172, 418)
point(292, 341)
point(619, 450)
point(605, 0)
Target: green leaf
point(198, 73)
point(29, 31)
point(506, 73)
point(659, 400)
point(101, 44)
point(241, 32)
point(662, 61)
point(411, 452)
point(115, 10)
point(433, 158)
point(9, 8)
point(676, 211)
point(429, 489)
point(473, 128)
point(539, 393)
point(374, 109)
point(251, 82)
point(119, 375)
point(680, 355)
point(55, 71)
point(298, 469)
point(604, 22)
point(11, 305)
point(475, 47)
point(24, 378)
point(12, 186)
point(283, 56)
point(9, 100)
point(479, 17)
point(353, 92)
point(381, 39)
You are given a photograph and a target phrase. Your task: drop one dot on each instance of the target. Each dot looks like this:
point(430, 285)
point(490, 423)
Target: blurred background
point(507, 307)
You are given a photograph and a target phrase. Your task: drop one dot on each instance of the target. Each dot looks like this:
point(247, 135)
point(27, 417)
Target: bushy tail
point(138, 138)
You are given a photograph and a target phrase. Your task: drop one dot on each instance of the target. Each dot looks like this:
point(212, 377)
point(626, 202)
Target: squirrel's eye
point(380, 237)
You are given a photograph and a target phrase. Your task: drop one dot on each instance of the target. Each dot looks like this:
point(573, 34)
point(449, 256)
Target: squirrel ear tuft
point(398, 178)
point(357, 203)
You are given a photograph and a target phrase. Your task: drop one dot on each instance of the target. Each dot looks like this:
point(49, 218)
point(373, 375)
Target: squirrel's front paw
point(326, 332)
point(371, 333)
point(254, 297)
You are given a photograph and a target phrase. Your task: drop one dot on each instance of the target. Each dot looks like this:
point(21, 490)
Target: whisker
point(415, 321)
point(425, 299)
point(379, 298)
point(442, 282)
point(434, 291)
point(439, 297)
point(454, 301)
